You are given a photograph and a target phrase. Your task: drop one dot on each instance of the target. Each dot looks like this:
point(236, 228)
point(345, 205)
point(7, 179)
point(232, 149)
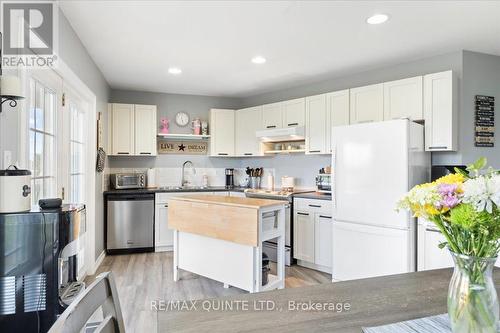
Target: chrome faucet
point(184, 182)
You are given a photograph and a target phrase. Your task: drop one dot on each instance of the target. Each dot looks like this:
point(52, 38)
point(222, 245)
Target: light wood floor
point(146, 277)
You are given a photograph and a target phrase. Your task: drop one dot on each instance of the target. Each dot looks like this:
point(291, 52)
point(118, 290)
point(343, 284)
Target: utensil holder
point(254, 182)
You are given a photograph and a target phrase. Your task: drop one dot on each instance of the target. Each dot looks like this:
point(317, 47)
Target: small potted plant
point(465, 207)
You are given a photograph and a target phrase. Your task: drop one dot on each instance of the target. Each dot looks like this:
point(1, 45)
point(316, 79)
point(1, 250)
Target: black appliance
point(438, 171)
point(230, 178)
point(38, 266)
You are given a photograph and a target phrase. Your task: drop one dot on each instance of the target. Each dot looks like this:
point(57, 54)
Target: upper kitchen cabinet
point(367, 104)
point(404, 99)
point(133, 129)
point(440, 111)
point(145, 130)
point(337, 103)
point(122, 129)
point(272, 115)
point(294, 112)
point(222, 134)
point(316, 124)
point(248, 122)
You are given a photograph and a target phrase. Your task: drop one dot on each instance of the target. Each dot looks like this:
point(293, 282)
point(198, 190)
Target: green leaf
point(442, 245)
point(462, 172)
point(478, 165)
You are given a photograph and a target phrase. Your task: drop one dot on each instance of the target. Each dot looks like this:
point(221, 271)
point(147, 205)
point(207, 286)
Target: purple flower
point(449, 195)
point(447, 189)
point(450, 201)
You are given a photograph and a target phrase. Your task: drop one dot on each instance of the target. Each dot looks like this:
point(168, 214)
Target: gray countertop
point(314, 195)
point(373, 302)
point(174, 190)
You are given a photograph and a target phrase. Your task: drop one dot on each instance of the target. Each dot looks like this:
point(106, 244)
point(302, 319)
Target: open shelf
point(183, 136)
point(272, 282)
point(286, 151)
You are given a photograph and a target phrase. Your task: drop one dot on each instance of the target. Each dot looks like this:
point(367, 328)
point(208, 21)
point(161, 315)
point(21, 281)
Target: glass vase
point(472, 297)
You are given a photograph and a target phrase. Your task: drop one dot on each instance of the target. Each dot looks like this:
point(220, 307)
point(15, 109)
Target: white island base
point(236, 262)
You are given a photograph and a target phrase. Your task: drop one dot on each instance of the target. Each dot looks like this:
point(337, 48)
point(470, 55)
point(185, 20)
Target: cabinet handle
point(315, 206)
point(144, 153)
point(122, 153)
point(365, 121)
point(325, 217)
point(271, 126)
point(438, 147)
point(315, 151)
point(306, 214)
point(432, 230)
point(223, 154)
point(166, 206)
point(293, 124)
point(248, 154)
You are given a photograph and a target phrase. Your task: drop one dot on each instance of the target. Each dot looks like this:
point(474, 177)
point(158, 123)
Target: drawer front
point(313, 205)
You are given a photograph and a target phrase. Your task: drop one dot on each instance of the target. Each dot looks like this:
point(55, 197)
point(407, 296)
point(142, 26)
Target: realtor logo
point(29, 33)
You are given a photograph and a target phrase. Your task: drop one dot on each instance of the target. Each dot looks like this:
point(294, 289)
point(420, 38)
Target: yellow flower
point(452, 178)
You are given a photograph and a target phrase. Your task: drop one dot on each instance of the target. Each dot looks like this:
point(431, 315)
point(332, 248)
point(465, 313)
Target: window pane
point(36, 190)
point(49, 187)
point(76, 158)
point(50, 105)
point(32, 151)
point(77, 189)
point(38, 169)
point(50, 161)
point(39, 106)
point(32, 104)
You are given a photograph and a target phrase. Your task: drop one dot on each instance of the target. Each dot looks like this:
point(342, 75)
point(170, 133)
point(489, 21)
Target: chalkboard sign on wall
point(485, 121)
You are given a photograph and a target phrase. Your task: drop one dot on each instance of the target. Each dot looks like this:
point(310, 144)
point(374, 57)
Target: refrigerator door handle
point(333, 181)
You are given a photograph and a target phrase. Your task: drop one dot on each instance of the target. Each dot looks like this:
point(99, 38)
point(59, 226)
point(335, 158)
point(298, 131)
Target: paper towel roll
point(151, 178)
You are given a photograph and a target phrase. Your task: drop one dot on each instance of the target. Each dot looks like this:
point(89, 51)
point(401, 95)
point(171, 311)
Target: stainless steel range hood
point(282, 134)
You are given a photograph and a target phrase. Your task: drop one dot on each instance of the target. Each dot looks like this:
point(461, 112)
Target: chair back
point(101, 293)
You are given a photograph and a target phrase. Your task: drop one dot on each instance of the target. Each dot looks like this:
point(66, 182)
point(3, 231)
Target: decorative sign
point(485, 121)
point(183, 147)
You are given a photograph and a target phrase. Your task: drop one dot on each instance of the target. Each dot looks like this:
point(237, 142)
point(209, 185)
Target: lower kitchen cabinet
point(164, 237)
point(312, 233)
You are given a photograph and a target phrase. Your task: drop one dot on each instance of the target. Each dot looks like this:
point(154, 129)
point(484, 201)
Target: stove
point(270, 247)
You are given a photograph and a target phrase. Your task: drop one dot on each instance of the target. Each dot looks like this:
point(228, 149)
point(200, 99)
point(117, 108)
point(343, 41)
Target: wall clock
point(182, 119)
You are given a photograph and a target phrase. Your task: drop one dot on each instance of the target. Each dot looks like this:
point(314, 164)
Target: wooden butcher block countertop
point(230, 201)
point(226, 218)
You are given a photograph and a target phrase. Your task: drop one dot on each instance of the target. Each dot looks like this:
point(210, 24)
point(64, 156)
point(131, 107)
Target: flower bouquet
point(465, 207)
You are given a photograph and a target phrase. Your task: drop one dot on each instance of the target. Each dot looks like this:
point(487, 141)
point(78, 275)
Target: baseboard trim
point(98, 262)
point(311, 265)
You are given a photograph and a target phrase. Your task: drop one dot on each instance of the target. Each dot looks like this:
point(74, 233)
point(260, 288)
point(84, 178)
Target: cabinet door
point(222, 134)
point(323, 240)
point(367, 104)
point(303, 230)
point(145, 130)
point(440, 112)
point(404, 99)
point(338, 113)
point(272, 115)
point(122, 129)
point(164, 237)
point(316, 124)
point(248, 121)
point(294, 112)
point(430, 256)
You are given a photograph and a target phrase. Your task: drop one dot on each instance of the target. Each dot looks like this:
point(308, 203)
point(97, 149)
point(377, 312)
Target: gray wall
point(77, 58)
point(481, 76)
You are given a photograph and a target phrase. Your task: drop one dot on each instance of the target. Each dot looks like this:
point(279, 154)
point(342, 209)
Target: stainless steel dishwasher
point(130, 223)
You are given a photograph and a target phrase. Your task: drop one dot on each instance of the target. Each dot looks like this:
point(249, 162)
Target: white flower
point(482, 192)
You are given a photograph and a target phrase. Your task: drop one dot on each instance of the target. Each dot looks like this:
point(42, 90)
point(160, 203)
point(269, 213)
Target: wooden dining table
point(344, 307)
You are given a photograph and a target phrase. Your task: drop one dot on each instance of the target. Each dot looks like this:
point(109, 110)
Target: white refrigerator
point(374, 165)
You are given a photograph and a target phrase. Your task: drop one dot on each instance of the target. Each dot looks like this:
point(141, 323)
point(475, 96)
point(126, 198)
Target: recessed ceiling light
point(377, 19)
point(175, 70)
point(258, 60)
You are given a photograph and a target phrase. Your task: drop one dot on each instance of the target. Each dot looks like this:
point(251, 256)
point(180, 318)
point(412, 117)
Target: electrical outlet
point(7, 159)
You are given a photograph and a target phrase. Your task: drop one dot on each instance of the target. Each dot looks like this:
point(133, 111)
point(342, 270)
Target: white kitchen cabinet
point(440, 111)
point(294, 112)
point(303, 236)
point(272, 115)
point(337, 113)
point(367, 104)
point(248, 122)
point(404, 99)
point(222, 136)
point(164, 237)
point(429, 255)
point(323, 240)
point(316, 124)
point(313, 233)
point(145, 129)
point(122, 129)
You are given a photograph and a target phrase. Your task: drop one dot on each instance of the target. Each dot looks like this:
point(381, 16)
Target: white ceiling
point(134, 42)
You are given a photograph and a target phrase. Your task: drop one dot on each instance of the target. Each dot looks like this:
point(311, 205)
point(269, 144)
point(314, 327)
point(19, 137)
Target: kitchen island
point(221, 238)
point(344, 307)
